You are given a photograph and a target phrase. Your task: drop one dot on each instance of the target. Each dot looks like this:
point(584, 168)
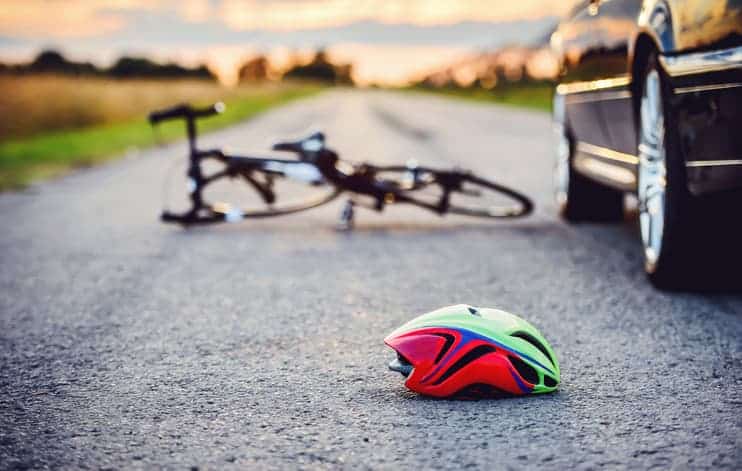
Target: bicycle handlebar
point(186, 112)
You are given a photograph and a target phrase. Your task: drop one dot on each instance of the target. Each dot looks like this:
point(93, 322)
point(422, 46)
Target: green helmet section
point(502, 327)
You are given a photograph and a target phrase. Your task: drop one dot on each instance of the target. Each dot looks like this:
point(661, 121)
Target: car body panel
point(603, 47)
point(577, 34)
point(705, 24)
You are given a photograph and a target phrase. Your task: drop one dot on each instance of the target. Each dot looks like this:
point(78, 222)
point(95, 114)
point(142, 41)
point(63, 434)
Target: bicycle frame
point(316, 165)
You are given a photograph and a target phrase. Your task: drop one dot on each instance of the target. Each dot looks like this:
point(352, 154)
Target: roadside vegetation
point(60, 114)
point(534, 95)
point(54, 123)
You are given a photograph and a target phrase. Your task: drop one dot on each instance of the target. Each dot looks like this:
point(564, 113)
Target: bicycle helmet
point(463, 350)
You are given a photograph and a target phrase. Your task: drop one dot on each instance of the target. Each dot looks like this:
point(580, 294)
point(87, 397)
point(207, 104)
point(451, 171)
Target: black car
point(650, 102)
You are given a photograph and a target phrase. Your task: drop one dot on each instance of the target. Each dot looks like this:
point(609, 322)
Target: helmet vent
point(478, 391)
point(528, 372)
point(549, 381)
point(401, 365)
point(449, 341)
point(470, 356)
point(530, 339)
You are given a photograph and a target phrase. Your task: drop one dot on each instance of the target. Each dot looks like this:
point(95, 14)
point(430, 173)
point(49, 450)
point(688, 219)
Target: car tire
point(669, 217)
point(579, 199)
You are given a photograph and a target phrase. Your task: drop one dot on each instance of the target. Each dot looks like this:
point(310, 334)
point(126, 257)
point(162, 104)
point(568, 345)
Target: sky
point(388, 41)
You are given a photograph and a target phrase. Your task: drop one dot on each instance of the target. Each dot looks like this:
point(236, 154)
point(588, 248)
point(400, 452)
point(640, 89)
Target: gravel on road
point(126, 343)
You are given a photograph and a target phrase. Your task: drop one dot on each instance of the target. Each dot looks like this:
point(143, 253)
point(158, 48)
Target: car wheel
point(578, 197)
point(666, 212)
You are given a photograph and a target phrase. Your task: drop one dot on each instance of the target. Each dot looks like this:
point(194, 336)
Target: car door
point(580, 71)
point(614, 26)
point(582, 84)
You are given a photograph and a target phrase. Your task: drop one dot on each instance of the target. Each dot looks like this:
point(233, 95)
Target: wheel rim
point(561, 168)
point(652, 170)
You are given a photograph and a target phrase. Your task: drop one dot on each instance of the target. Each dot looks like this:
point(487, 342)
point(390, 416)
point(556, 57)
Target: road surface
point(126, 343)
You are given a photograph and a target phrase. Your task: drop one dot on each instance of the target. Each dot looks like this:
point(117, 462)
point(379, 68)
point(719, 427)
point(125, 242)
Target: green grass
point(536, 96)
point(28, 159)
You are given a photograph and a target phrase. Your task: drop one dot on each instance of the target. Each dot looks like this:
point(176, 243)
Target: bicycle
point(321, 169)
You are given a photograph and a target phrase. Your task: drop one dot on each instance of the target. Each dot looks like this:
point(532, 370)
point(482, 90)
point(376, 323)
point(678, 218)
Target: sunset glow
point(63, 18)
point(314, 14)
point(388, 41)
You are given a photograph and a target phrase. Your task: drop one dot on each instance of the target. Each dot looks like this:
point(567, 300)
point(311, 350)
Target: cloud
point(66, 18)
point(91, 18)
point(287, 15)
point(196, 11)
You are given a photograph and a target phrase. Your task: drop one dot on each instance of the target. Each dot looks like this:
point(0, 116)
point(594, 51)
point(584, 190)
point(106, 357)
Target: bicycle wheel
point(468, 195)
point(245, 194)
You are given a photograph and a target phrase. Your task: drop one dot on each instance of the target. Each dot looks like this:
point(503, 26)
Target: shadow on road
point(327, 226)
point(595, 246)
point(718, 269)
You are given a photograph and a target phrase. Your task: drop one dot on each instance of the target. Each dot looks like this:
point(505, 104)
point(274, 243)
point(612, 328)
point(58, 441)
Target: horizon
point(389, 43)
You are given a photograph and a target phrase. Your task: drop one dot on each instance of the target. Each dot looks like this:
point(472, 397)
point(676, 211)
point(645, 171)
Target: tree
point(140, 67)
point(53, 62)
point(254, 70)
point(322, 70)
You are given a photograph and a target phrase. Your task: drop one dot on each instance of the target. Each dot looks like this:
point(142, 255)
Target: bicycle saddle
point(315, 142)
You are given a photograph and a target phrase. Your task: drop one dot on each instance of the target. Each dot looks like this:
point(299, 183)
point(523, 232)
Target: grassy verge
point(533, 96)
point(46, 154)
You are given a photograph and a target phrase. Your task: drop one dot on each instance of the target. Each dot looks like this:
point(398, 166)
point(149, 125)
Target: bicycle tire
point(310, 203)
point(218, 213)
point(521, 205)
point(219, 208)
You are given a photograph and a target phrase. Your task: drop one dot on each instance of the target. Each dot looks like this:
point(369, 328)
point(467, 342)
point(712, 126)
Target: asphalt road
point(126, 343)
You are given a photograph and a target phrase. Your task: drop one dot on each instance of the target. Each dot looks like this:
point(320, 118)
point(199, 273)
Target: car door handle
point(594, 7)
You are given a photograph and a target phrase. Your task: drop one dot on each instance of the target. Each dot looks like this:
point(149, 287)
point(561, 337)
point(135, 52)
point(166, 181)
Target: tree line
point(318, 69)
point(53, 62)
